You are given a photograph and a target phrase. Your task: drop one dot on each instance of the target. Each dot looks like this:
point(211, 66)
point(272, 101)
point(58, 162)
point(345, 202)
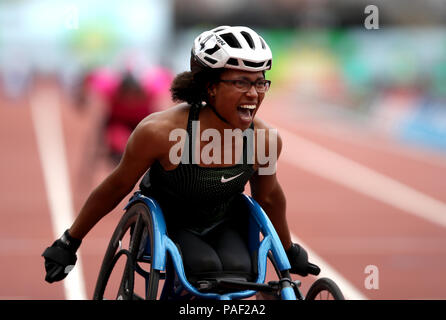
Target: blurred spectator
point(126, 99)
point(128, 105)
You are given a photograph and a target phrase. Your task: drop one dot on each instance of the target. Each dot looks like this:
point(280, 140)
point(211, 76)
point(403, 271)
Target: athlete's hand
point(298, 258)
point(61, 257)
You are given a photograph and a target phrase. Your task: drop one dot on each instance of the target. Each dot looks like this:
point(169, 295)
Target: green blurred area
point(359, 59)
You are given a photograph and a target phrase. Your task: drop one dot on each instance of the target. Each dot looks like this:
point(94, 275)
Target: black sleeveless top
point(194, 197)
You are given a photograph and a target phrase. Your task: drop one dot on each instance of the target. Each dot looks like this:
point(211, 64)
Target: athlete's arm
point(266, 190)
point(143, 147)
point(146, 144)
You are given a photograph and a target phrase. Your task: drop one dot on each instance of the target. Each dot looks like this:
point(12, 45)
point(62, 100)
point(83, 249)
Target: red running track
point(349, 230)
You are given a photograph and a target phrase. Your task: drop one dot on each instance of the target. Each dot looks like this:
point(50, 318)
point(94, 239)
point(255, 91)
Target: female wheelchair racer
point(200, 203)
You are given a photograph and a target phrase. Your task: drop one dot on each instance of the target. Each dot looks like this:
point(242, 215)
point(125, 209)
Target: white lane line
point(412, 151)
point(45, 112)
point(330, 165)
point(348, 290)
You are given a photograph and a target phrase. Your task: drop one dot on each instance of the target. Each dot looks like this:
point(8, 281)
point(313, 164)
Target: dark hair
point(192, 86)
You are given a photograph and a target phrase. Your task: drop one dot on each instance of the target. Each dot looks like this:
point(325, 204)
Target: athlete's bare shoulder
point(167, 120)
point(260, 124)
point(154, 130)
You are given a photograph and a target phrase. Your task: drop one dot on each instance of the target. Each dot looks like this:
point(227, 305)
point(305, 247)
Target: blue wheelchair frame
point(259, 222)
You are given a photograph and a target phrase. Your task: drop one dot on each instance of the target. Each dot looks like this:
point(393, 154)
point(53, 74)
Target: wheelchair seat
point(151, 244)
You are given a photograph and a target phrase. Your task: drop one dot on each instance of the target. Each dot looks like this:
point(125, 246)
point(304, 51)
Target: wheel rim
point(324, 289)
point(324, 295)
point(127, 240)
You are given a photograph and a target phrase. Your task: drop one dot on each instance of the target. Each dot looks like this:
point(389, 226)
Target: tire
point(136, 224)
point(324, 289)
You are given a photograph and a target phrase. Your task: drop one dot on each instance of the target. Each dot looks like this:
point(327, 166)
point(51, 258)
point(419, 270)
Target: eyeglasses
point(242, 85)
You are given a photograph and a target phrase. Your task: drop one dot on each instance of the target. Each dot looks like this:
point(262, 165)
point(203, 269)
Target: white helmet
point(232, 47)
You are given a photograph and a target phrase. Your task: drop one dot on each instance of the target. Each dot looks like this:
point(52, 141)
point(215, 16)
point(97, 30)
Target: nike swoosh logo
point(224, 180)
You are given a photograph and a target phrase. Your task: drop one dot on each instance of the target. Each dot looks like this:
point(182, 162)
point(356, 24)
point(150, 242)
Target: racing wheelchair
point(141, 246)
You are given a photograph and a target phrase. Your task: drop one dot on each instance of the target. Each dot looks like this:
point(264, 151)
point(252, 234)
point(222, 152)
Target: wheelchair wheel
point(121, 271)
point(324, 289)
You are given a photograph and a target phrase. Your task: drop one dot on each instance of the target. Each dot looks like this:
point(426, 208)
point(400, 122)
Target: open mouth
point(246, 112)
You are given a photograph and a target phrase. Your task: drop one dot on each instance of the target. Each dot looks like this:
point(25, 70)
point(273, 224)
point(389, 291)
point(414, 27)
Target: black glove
point(298, 258)
point(60, 258)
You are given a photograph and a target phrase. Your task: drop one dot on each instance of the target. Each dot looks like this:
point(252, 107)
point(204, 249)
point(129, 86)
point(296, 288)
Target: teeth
point(248, 106)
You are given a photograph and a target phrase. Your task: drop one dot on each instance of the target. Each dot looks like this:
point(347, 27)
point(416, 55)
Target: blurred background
point(77, 76)
point(322, 50)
